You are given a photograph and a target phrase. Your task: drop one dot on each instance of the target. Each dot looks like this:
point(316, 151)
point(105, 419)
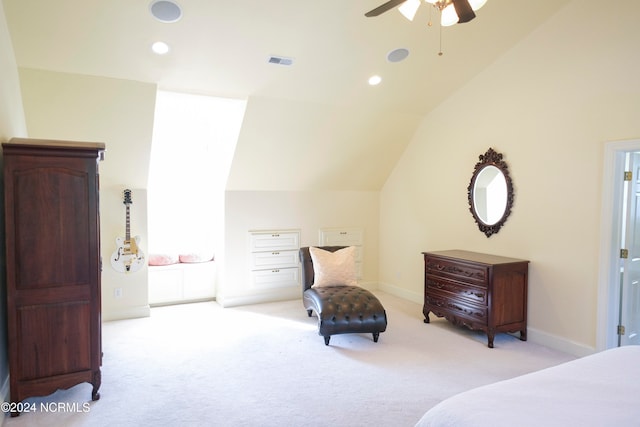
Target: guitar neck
point(127, 235)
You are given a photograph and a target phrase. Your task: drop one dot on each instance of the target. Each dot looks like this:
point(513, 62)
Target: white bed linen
point(598, 390)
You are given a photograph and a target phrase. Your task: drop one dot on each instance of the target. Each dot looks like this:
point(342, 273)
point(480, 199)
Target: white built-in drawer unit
point(345, 237)
point(274, 260)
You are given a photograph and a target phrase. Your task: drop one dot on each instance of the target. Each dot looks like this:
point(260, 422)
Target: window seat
point(182, 282)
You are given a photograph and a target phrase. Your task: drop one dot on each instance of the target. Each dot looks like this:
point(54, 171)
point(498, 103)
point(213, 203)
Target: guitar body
point(128, 257)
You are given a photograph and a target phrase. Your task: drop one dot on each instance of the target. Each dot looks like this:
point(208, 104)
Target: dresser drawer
point(276, 278)
point(456, 270)
point(270, 241)
point(274, 259)
point(455, 307)
point(475, 294)
point(341, 237)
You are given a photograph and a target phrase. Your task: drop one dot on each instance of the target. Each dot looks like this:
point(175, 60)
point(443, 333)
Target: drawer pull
point(275, 253)
point(275, 271)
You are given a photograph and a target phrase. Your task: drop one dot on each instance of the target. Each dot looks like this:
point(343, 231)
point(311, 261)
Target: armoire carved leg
point(97, 380)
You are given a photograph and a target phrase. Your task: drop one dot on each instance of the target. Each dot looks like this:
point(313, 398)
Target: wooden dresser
point(53, 265)
point(480, 291)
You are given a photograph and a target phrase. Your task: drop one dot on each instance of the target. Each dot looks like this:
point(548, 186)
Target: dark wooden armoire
point(53, 265)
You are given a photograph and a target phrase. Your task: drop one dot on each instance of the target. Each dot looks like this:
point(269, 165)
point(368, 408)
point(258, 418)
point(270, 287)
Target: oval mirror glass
point(490, 195)
point(490, 192)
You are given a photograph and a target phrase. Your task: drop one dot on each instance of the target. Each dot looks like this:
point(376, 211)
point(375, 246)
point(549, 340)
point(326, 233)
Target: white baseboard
point(272, 296)
point(401, 293)
point(259, 298)
point(534, 335)
point(370, 286)
point(128, 313)
point(558, 343)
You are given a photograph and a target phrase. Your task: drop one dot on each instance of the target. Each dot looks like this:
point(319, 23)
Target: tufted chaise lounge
point(340, 309)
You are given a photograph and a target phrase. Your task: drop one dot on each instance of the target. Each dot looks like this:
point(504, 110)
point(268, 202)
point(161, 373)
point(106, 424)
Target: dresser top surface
point(457, 254)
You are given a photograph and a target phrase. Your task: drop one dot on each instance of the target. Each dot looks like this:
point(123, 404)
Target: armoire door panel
point(46, 334)
point(52, 226)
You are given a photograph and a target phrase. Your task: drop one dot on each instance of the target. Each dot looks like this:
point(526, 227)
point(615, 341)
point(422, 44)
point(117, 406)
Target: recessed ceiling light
point(160, 48)
point(165, 11)
point(375, 80)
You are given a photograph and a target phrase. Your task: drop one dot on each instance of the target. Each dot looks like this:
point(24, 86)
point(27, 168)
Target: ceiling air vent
point(280, 60)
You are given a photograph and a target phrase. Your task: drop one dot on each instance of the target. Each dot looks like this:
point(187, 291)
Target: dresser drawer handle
point(275, 253)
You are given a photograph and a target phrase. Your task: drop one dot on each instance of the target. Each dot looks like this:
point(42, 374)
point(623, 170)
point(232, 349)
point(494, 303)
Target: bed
point(602, 389)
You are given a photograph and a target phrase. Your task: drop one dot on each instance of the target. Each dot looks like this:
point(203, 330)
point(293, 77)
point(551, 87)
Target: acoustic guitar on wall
point(128, 257)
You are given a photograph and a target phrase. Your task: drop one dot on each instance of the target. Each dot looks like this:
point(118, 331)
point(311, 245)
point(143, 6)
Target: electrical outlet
point(117, 292)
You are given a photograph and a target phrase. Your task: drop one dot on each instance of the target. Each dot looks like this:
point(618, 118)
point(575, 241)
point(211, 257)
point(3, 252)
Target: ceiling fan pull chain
point(440, 53)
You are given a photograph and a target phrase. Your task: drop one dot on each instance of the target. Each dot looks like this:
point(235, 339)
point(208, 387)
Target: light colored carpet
point(265, 365)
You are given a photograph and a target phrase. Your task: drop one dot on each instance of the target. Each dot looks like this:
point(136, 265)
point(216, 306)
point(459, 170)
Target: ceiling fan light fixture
point(460, 11)
point(409, 9)
point(449, 16)
point(463, 10)
point(477, 4)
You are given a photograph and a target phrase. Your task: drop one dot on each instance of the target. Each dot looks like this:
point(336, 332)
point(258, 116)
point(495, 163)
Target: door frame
point(610, 230)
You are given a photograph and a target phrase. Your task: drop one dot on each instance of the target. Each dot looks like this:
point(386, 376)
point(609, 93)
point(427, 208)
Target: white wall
point(549, 105)
point(302, 146)
point(12, 124)
point(308, 211)
point(120, 114)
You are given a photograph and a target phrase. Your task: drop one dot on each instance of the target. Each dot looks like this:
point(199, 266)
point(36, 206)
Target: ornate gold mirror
point(490, 192)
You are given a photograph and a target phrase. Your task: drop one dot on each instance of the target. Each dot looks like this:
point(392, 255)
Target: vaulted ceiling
point(314, 125)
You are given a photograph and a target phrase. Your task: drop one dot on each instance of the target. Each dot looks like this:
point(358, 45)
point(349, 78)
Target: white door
point(629, 330)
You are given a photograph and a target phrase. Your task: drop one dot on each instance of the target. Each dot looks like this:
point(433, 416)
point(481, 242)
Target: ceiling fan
point(453, 11)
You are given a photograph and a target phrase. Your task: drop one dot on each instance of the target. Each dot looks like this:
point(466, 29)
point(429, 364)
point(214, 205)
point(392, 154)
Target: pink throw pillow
point(162, 259)
point(194, 257)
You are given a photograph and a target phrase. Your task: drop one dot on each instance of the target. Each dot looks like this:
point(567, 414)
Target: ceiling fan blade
point(384, 7)
point(463, 10)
